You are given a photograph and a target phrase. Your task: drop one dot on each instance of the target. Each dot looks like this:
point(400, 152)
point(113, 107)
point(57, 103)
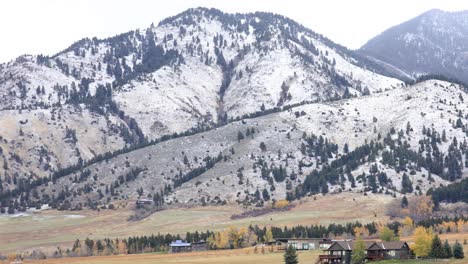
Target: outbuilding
point(303, 243)
point(180, 246)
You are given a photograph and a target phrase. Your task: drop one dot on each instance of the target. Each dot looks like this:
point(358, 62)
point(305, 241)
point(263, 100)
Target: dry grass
point(225, 256)
point(52, 228)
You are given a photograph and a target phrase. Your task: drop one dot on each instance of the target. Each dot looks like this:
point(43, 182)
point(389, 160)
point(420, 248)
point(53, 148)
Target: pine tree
point(404, 202)
point(437, 251)
point(240, 136)
point(290, 256)
point(447, 250)
point(406, 184)
point(262, 146)
point(458, 251)
point(266, 195)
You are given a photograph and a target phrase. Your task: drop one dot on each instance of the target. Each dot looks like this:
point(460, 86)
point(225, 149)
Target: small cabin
point(180, 246)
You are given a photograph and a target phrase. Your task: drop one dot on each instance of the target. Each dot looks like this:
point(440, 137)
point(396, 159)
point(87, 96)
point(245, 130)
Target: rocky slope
point(435, 42)
point(217, 108)
point(192, 72)
point(361, 144)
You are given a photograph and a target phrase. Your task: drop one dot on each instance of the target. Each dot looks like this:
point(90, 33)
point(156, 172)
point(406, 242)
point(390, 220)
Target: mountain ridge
point(83, 113)
point(431, 43)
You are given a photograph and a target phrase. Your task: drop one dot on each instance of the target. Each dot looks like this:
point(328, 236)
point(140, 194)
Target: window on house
point(293, 244)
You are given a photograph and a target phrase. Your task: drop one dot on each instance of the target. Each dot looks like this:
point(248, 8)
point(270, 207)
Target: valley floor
point(237, 256)
point(50, 228)
point(223, 256)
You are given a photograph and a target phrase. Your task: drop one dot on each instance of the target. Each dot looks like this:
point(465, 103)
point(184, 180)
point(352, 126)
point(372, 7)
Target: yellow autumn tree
point(250, 238)
point(420, 207)
point(280, 204)
point(232, 237)
point(422, 238)
point(386, 234)
point(268, 236)
point(11, 257)
point(448, 226)
point(361, 232)
point(236, 236)
point(461, 226)
point(407, 227)
point(219, 240)
point(121, 247)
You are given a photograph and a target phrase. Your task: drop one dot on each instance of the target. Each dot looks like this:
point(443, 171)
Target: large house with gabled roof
point(340, 252)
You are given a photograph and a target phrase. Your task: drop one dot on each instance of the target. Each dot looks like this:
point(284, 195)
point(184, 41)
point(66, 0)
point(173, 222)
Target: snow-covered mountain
point(197, 69)
point(215, 107)
point(436, 42)
point(363, 144)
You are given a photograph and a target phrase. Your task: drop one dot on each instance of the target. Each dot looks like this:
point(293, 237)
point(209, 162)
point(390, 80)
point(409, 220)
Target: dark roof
point(180, 243)
point(199, 242)
point(370, 245)
point(292, 238)
point(348, 245)
point(392, 245)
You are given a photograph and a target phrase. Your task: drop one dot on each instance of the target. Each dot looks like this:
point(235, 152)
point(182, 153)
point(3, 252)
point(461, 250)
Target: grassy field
point(52, 228)
point(48, 229)
point(225, 257)
point(244, 256)
point(413, 261)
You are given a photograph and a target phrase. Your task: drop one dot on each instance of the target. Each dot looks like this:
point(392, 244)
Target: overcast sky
point(48, 26)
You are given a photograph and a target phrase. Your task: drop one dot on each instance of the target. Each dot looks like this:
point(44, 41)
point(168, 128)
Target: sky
point(49, 26)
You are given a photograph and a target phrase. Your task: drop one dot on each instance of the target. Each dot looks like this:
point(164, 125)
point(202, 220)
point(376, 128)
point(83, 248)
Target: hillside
point(192, 72)
point(363, 144)
point(436, 42)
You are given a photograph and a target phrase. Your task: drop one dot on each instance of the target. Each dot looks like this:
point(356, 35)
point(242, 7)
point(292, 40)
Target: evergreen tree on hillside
point(404, 202)
point(240, 136)
point(153, 56)
point(262, 146)
point(266, 195)
point(406, 184)
point(346, 148)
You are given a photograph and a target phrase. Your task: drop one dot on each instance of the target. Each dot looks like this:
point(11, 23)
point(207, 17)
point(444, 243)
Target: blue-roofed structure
point(180, 246)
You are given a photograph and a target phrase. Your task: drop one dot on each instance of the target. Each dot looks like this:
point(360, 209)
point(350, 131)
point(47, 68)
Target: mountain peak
point(436, 42)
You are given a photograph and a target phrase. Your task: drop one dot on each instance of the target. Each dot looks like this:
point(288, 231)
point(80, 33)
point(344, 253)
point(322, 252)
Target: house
point(325, 244)
point(302, 243)
point(375, 252)
point(341, 251)
point(180, 246)
point(395, 249)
